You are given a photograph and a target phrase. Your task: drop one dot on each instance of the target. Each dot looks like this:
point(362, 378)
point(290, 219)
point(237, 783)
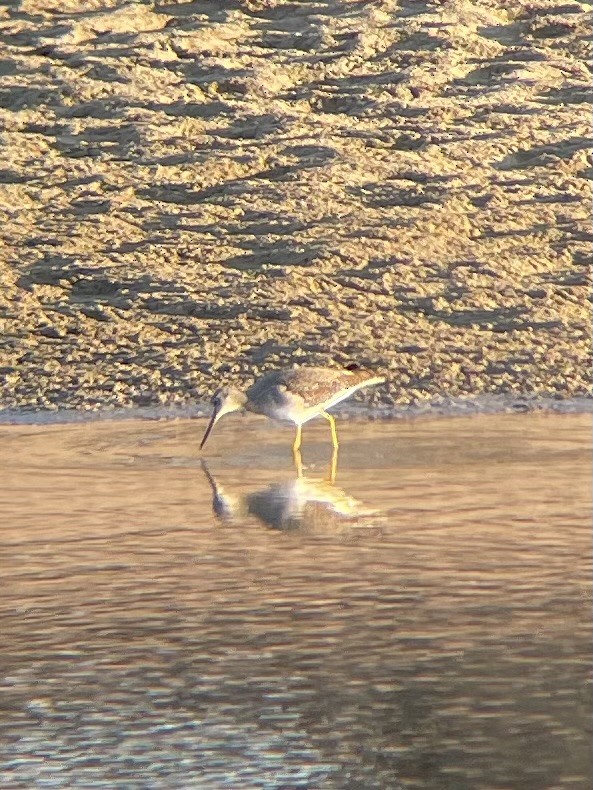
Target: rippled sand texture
point(428, 627)
point(202, 188)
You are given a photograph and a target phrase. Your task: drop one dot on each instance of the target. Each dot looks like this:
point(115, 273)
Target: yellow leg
point(297, 440)
point(334, 466)
point(332, 424)
point(298, 462)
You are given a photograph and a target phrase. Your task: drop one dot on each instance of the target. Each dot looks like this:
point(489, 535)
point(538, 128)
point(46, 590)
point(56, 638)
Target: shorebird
point(294, 394)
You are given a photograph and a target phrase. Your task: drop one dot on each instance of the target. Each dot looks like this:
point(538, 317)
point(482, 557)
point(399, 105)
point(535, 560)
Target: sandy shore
point(200, 190)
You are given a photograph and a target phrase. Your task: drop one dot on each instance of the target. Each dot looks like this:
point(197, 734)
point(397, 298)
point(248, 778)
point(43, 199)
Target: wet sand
point(425, 622)
point(201, 190)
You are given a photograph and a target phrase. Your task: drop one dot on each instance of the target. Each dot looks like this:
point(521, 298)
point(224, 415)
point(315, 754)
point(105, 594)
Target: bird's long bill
point(213, 420)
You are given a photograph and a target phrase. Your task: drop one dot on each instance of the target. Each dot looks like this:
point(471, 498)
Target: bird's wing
point(322, 385)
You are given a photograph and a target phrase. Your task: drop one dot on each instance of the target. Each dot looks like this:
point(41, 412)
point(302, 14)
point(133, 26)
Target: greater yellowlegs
point(293, 394)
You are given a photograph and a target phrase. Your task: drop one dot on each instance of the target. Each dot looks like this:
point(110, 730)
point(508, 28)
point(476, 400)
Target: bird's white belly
point(287, 409)
point(284, 413)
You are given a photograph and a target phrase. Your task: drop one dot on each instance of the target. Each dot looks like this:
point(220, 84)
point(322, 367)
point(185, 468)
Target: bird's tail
point(357, 379)
point(372, 381)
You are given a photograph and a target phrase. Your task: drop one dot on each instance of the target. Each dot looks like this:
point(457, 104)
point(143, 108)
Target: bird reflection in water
point(299, 503)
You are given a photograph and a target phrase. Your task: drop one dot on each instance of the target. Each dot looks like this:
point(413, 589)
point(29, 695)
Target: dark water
point(423, 623)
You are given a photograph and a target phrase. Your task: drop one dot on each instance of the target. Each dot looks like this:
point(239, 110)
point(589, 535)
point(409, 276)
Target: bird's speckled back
point(310, 385)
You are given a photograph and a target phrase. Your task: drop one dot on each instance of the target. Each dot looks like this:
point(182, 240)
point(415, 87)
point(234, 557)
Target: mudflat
point(190, 191)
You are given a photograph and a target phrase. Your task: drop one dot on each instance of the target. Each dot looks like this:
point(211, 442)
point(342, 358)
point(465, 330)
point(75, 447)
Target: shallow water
point(425, 622)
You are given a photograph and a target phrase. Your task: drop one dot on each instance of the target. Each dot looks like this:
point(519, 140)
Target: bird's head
point(224, 400)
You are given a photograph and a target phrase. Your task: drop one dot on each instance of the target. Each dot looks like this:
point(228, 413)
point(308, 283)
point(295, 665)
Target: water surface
point(425, 622)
